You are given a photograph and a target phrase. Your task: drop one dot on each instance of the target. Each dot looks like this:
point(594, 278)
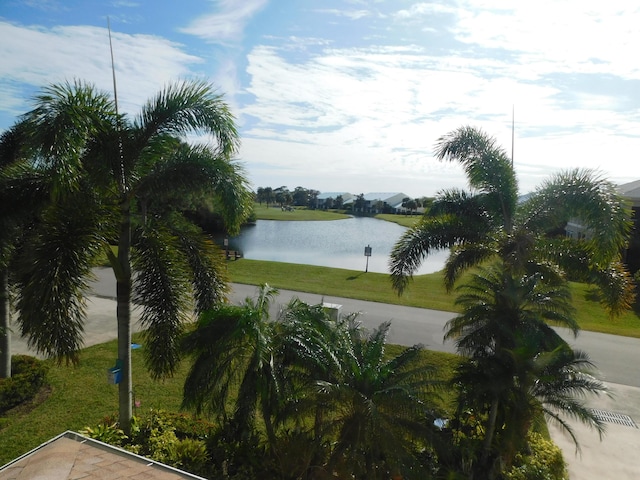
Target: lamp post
point(367, 253)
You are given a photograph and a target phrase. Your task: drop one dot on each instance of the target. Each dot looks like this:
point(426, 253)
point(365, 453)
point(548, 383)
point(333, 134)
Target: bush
point(28, 376)
point(544, 463)
point(174, 439)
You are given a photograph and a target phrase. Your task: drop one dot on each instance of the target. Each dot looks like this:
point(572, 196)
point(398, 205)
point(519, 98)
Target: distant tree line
point(282, 196)
point(304, 197)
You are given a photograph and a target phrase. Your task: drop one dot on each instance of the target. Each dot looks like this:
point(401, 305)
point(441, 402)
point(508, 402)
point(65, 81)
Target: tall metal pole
point(513, 129)
point(113, 68)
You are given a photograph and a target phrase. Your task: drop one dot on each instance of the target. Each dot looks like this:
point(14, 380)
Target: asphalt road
point(616, 357)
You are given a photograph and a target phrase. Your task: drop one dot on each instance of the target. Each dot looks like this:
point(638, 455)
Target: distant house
point(380, 202)
point(630, 191)
point(324, 198)
point(72, 456)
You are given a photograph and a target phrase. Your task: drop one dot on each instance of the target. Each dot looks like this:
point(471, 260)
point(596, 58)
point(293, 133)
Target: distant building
point(380, 202)
point(630, 191)
point(324, 198)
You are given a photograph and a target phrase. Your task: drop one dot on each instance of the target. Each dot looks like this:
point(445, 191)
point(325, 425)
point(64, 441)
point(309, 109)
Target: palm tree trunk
point(123, 295)
point(5, 326)
point(488, 436)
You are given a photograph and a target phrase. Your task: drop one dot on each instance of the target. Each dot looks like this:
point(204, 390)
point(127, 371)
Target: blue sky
point(351, 95)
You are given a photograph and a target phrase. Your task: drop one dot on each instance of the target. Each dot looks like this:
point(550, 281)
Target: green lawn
point(426, 291)
point(274, 212)
point(80, 396)
point(404, 220)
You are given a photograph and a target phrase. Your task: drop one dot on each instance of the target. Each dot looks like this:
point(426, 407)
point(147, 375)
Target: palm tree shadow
point(355, 277)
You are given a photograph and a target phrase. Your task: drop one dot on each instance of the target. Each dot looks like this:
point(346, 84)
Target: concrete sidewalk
point(616, 457)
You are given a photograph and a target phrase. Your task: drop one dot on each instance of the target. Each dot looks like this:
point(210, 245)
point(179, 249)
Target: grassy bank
point(274, 212)
point(426, 291)
point(404, 220)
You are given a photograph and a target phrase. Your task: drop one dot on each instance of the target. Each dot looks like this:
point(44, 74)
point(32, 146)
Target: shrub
point(28, 376)
point(171, 438)
point(190, 454)
point(545, 462)
point(107, 433)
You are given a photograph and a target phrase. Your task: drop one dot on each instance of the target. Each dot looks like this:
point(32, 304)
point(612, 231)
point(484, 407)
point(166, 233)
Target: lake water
point(336, 243)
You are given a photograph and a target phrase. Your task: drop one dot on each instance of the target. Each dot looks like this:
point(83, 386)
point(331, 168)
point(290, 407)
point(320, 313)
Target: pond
point(336, 243)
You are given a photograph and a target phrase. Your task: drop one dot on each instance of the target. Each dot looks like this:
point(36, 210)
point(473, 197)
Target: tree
point(359, 203)
point(267, 195)
point(234, 345)
point(319, 380)
point(379, 405)
point(489, 222)
point(313, 198)
point(300, 197)
point(23, 193)
point(329, 203)
point(518, 368)
point(114, 179)
point(282, 195)
point(409, 204)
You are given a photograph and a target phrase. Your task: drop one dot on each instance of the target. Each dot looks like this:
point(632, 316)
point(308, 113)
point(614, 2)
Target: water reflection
point(337, 243)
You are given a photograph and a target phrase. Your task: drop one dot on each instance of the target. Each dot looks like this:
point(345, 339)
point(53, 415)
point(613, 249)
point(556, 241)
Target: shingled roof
point(73, 456)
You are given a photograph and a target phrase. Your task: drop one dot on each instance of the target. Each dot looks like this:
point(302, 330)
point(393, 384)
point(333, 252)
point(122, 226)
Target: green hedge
point(28, 376)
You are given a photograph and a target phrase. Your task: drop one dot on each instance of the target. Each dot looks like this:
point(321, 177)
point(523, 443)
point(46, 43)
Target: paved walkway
point(616, 457)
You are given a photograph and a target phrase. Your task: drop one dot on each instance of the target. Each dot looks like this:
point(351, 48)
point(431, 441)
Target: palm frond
point(487, 166)
point(583, 195)
point(418, 242)
point(64, 121)
point(464, 257)
point(54, 266)
point(161, 285)
point(189, 107)
point(208, 274)
point(616, 286)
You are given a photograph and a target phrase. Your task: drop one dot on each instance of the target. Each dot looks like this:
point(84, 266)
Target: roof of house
point(73, 456)
point(383, 196)
point(630, 190)
point(325, 195)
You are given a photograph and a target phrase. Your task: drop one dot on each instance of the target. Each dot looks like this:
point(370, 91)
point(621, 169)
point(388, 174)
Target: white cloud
point(38, 56)
point(314, 110)
point(572, 36)
point(352, 14)
point(228, 23)
point(380, 110)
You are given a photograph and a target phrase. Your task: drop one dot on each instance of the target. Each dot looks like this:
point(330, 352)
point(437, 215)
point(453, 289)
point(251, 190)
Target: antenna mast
point(513, 129)
point(113, 68)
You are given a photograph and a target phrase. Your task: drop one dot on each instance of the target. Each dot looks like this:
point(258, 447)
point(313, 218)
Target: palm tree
point(235, 345)
point(113, 179)
point(488, 221)
point(23, 192)
point(378, 405)
point(518, 367)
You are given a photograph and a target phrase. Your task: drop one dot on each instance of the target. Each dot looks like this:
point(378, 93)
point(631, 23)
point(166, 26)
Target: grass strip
point(425, 291)
point(275, 212)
